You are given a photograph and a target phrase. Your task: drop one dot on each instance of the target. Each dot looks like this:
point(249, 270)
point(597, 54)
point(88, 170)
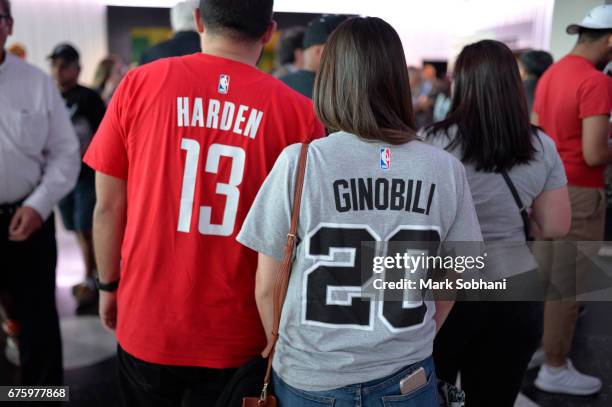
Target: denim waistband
point(394, 378)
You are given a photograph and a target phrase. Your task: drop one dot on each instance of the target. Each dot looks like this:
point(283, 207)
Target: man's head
point(65, 66)
point(237, 20)
point(315, 37)
point(533, 63)
point(290, 49)
point(6, 23)
point(181, 16)
point(595, 34)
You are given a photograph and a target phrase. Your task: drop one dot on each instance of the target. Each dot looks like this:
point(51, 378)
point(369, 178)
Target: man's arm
point(60, 173)
point(108, 228)
point(595, 134)
point(62, 157)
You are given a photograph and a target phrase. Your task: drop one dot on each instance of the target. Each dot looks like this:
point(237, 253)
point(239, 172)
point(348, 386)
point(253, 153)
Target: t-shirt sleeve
point(108, 152)
point(555, 176)
point(268, 221)
point(595, 96)
point(465, 227)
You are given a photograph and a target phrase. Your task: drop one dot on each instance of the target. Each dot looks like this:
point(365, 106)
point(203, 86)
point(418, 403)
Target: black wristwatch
point(109, 287)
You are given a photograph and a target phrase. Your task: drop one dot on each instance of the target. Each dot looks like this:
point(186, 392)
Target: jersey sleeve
point(595, 96)
point(268, 221)
point(108, 152)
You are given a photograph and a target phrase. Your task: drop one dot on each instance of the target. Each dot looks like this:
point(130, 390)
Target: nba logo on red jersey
point(385, 158)
point(224, 84)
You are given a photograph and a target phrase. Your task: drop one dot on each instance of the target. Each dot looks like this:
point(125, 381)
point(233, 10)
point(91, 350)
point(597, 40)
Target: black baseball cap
point(66, 52)
point(319, 29)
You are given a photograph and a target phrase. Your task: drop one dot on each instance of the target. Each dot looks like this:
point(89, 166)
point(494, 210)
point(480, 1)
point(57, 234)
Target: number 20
point(230, 189)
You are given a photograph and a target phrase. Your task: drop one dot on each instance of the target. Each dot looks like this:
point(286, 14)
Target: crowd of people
point(180, 180)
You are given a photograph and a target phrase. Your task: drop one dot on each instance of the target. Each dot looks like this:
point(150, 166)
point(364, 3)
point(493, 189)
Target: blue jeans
point(384, 392)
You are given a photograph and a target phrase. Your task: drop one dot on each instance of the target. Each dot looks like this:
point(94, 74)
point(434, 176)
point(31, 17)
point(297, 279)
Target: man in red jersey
point(572, 104)
point(180, 155)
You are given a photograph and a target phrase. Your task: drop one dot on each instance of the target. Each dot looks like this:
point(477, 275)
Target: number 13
point(230, 190)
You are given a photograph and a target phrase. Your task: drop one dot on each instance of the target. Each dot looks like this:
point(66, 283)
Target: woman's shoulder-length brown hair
point(362, 86)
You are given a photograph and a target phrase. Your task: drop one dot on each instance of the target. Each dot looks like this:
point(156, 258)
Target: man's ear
point(10, 26)
point(269, 32)
point(197, 17)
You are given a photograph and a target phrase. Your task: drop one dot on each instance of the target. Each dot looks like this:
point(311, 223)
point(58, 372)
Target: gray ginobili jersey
point(354, 192)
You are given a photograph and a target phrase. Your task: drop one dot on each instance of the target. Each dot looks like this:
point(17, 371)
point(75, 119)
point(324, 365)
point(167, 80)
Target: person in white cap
point(572, 104)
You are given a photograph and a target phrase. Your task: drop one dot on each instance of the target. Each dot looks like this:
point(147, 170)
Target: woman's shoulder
point(543, 142)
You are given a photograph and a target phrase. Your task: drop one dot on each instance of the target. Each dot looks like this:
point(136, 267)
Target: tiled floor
point(91, 366)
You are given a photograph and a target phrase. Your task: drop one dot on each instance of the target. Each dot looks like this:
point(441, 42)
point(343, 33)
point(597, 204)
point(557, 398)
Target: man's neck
point(245, 52)
point(2, 55)
point(586, 52)
point(64, 89)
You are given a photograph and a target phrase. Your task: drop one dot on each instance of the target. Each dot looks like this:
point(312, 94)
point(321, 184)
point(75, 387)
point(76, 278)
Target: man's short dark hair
point(591, 35)
point(536, 62)
point(6, 5)
point(241, 19)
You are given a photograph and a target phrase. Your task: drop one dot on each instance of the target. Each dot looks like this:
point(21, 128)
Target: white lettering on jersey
point(219, 115)
point(253, 124)
point(182, 110)
point(198, 113)
point(228, 116)
point(212, 120)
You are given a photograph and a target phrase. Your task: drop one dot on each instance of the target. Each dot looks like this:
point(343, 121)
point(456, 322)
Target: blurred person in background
point(185, 41)
point(442, 100)
point(289, 54)
point(572, 104)
point(39, 164)
point(421, 89)
point(18, 50)
point(86, 110)
point(490, 343)
point(108, 74)
point(315, 37)
point(190, 151)
point(532, 65)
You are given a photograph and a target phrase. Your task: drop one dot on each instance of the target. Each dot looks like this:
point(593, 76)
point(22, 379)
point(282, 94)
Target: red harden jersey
point(194, 137)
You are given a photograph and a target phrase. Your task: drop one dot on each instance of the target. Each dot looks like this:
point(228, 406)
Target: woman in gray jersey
point(488, 129)
point(369, 181)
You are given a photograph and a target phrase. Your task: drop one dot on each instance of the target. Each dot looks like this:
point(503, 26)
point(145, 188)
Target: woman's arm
point(552, 214)
point(267, 271)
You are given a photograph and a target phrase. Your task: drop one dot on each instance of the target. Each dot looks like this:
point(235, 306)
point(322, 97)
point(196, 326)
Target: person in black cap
point(86, 109)
point(317, 33)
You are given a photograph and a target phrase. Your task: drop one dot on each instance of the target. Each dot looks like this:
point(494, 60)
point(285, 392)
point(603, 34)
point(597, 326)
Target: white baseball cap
point(600, 18)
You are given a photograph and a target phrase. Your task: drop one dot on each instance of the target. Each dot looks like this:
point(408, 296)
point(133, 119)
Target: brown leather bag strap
point(282, 280)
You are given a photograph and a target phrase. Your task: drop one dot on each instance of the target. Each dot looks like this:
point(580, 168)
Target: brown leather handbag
point(280, 286)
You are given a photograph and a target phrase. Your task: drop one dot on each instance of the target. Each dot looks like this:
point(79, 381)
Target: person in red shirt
point(572, 104)
point(180, 155)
